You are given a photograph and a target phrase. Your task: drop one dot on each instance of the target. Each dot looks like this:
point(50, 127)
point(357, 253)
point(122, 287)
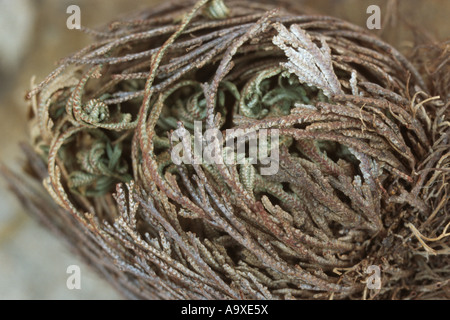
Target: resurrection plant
point(363, 166)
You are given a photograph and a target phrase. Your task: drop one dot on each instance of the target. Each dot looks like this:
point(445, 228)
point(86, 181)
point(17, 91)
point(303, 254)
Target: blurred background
point(34, 36)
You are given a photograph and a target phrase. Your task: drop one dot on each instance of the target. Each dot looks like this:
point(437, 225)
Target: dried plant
point(363, 166)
